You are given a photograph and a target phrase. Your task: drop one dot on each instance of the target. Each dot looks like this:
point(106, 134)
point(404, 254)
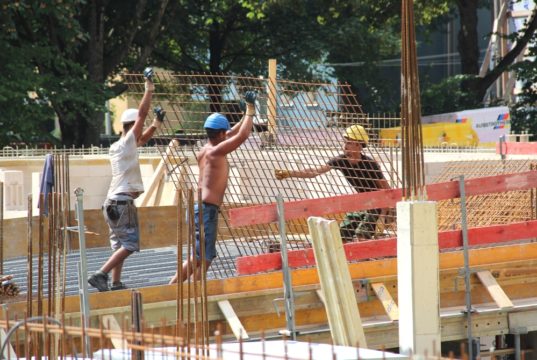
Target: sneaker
point(99, 280)
point(118, 286)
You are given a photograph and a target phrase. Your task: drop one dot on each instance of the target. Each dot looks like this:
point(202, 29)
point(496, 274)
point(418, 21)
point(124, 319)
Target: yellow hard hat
point(357, 133)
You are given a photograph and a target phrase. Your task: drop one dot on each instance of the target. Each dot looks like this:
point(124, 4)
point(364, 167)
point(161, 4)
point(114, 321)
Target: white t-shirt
point(126, 175)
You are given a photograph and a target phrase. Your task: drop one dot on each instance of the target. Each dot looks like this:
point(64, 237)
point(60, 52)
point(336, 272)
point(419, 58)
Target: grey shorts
point(122, 219)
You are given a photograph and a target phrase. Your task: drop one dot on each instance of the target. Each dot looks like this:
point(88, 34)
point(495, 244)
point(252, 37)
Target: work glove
point(281, 174)
point(148, 74)
point(159, 117)
point(249, 97)
point(248, 102)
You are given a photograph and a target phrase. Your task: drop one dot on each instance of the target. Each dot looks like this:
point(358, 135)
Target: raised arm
point(156, 124)
point(240, 132)
point(145, 104)
point(247, 107)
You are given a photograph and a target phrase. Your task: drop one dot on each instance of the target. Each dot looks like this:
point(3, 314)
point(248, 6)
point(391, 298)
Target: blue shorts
point(122, 219)
point(210, 229)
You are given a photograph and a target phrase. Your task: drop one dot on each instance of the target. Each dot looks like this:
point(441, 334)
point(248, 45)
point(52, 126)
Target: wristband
point(250, 114)
point(156, 124)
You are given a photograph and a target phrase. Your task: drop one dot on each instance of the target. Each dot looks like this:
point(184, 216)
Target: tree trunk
point(468, 46)
point(478, 86)
point(95, 68)
point(215, 63)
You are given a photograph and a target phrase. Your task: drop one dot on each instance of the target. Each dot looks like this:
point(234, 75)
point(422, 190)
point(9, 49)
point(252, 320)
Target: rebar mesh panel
point(310, 120)
point(484, 210)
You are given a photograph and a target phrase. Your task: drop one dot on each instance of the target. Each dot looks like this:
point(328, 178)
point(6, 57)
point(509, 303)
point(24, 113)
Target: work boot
point(99, 280)
point(118, 286)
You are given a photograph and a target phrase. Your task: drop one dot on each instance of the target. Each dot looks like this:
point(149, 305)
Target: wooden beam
point(301, 209)
point(387, 301)
point(336, 284)
point(233, 320)
point(495, 290)
point(110, 323)
point(488, 235)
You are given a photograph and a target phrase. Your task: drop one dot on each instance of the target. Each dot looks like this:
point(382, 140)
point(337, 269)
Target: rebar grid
point(310, 119)
point(502, 208)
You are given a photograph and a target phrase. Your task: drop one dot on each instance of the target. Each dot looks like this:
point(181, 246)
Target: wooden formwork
point(510, 268)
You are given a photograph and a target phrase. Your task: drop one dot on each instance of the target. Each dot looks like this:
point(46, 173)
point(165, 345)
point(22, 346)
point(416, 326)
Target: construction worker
point(213, 177)
point(126, 185)
point(361, 172)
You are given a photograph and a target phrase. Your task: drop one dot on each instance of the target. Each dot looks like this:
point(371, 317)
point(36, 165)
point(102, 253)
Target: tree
point(240, 36)
point(473, 87)
point(477, 87)
point(71, 47)
point(524, 112)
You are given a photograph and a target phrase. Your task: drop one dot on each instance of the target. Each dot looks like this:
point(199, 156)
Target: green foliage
point(58, 54)
point(447, 96)
point(524, 111)
point(39, 75)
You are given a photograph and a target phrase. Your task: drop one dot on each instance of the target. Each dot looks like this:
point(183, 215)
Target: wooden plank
point(320, 295)
point(336, 284)
point(488, 235)
point(233, 320)
point(148, 197)
point(387, 301)
point(496, 292)
point(301, 209)
point(110, 323)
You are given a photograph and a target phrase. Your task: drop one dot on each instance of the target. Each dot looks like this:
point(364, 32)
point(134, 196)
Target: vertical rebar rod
point(191, 258)
point(179, 294)
point(40, 256)
point(1, 227)
point(29, 276)
point(468, 298)
point(200, 319)
point(50, 250)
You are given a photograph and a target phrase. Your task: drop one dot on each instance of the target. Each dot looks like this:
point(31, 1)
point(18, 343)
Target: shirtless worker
point(213, 177)
point(361, 172)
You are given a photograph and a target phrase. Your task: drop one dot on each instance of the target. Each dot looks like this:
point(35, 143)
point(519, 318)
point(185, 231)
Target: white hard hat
point(129, 115)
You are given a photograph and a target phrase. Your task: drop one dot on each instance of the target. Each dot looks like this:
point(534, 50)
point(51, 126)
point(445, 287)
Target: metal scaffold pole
point(288, 295)
point(82, 267)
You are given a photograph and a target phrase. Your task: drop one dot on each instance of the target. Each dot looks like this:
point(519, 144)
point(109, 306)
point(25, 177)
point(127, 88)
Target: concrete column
point(418, 278)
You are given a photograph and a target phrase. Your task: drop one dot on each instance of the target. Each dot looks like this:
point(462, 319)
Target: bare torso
point(213, 177)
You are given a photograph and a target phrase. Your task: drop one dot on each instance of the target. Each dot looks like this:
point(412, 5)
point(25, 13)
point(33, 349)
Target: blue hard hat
point(216, 121)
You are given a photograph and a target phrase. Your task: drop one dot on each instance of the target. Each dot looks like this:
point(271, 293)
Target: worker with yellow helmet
point(361, 171)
